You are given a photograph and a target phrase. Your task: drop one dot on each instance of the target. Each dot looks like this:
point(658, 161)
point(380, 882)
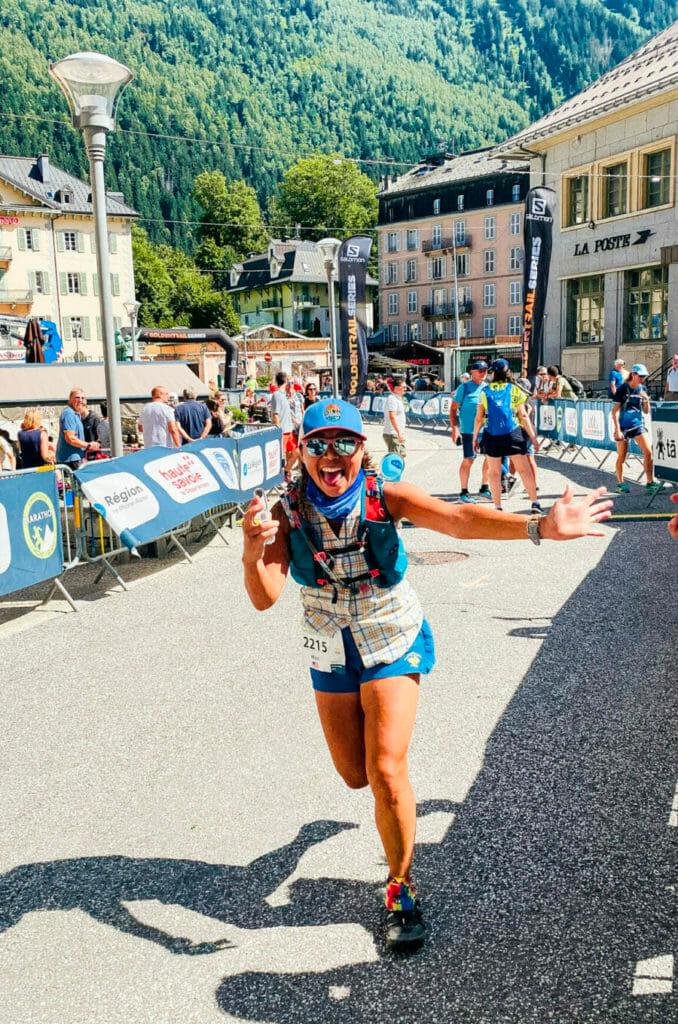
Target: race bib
point(323, 653)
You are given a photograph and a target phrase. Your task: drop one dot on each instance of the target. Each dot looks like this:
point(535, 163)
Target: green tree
point(231, 224)
point(153, 282)
point(328, 194)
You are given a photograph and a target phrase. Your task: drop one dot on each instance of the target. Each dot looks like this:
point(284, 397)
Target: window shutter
point(117, 323)
point(45, 282)
point(429, 267)
point(83, 283)
point(86, 335)
point(80, 240)
point(99, 331)
point(63, 284)
point(22, 239)
point(66, 328)
point(112, 242)
point(115, 284)
point(31, 281)
point(95, 283)
point(61, 245)
point(35, 239)
point(93, 241)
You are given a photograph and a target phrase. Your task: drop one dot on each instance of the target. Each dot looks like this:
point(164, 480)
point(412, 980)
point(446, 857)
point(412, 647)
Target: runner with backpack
point(503, 420)
point(364, 634)
point(631, 401)
point(462, 419)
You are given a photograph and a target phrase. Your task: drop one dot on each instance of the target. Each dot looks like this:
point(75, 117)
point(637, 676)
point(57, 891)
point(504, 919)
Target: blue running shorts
point(419, 659)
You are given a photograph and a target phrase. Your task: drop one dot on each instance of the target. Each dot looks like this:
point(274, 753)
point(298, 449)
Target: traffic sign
point(268, 357)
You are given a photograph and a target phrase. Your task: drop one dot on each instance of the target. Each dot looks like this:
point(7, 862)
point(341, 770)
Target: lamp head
point(132, 308)
point(91, 83)
point(329, 248)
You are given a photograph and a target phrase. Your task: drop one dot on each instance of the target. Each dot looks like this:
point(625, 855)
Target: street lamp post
point(132, 310)
point(91, 83)
point(329, 249)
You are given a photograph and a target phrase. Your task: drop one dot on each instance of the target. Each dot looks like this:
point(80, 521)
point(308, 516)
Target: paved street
point(177, 850)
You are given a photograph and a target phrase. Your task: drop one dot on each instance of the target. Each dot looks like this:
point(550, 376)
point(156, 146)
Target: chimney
point(43, 168)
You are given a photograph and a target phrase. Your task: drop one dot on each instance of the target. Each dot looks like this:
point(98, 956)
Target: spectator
point(213, 388)
point(501, 410)
point(616, 377)
point(193, 418)
point(281, 416)
point(104, 428)
point(71, 444)
point(310, 394)
point(173, 399)
point(90, 422)
point(671, 386)
point(7, 454)
point(36, 449)
point(559, 386)
point(542, 384)
point(369, 384)
point(158, 421)
point(394, 419)
point(220, 422)
point(247, 401)
point(631, 400)
point(462, 420)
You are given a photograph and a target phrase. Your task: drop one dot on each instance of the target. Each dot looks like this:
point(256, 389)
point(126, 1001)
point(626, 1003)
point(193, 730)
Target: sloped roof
point(477, 163)
point(302, 263)
point(650, 70)
point(24, 173)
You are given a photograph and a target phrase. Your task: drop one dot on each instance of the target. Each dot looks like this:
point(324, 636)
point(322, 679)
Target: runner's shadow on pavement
point(553, 881)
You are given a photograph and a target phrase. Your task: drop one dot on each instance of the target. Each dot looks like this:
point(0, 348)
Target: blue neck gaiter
point(335, 508)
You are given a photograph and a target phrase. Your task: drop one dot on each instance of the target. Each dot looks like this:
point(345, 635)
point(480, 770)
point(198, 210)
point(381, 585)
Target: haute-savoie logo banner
point(537, 235)
point(150, 492)
point(353, 257)
point(30, 531)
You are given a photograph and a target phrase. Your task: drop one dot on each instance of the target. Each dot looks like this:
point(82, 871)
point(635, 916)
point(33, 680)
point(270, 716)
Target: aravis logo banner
point(353, 257)
point(538, 233)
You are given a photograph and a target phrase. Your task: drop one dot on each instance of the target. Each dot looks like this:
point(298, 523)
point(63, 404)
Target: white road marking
point(673, 816)
point(653, 976)
point(479, 582)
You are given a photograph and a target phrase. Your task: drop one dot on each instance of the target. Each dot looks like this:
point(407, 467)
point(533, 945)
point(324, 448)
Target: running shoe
point(485, 492)
point(499, 508)
point(512, 483)
point(654, 487)
point(623, 488)
point(405, 931)
point(536, 507)
point(467, 499)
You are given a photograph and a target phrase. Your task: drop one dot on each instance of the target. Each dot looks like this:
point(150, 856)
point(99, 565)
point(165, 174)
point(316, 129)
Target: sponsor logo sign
point(547, 417)
point(273, 458)
point(571, 424)
point(40, 525)
point(123, 500)
point(593, 424)
point(223, 465)
point(183, 476)
point(251, 468)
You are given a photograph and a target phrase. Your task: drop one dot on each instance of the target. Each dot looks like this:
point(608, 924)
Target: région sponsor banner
point(123, 500)
point(183, 476)
point(593, 424)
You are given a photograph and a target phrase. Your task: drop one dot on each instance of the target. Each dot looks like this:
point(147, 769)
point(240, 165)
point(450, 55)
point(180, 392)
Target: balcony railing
point(446, 244)
point(20, 297)
point(271, 304)
point(308, 300)
point(446, 309)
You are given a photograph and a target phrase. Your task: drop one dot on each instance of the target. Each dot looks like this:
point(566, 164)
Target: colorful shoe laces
point(401, 894)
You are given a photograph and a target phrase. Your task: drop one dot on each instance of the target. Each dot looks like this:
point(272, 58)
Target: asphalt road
point(177, 850)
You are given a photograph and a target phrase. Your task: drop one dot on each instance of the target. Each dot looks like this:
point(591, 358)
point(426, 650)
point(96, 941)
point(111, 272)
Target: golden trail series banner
point(537, 235)
point(353, 257)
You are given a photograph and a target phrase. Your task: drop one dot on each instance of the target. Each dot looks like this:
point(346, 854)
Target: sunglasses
point(317, 446)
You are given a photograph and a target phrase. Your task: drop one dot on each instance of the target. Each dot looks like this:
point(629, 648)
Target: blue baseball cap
point(500, 364)
point(332, 414)
point(478, 364)
point(641, 369)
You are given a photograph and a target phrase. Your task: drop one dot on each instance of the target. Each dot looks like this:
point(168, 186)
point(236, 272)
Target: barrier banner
point(353, 256)
point(586, 423)
point(31, 549)
point(148, 493)
point(665, 447)
point(537, 237)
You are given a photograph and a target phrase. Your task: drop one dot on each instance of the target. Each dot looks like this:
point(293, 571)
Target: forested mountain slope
point(268, 80)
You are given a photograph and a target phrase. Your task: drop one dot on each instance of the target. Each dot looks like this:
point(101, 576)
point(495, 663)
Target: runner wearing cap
point(462, 419)
point(364, 631)
point(631, 400)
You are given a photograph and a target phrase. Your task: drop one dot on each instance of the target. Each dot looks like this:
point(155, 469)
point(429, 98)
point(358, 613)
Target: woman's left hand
point(569, 519)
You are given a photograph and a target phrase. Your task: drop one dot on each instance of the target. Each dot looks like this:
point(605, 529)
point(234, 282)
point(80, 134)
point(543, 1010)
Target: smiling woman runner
point(364, 631)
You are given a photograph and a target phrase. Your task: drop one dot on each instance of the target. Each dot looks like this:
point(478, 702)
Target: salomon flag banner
point(538, 233)
point(353, 257)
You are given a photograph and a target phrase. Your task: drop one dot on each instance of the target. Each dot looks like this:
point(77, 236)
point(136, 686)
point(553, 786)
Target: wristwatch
point(533, 529)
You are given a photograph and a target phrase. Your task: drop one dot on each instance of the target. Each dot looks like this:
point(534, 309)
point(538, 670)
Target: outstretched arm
point(567, 519)
point(265, 565)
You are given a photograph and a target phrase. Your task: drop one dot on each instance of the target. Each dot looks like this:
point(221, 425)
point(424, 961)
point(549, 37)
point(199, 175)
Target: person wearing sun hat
point(631, 404)
point(364, 633)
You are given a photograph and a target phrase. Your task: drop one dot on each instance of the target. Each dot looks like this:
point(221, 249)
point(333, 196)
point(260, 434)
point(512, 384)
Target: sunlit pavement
point(176, 847)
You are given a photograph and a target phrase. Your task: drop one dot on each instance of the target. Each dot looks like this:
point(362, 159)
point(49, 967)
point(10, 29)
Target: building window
point(391, 273)
point(515, 257)
point(439, 330)
point(489, 294)
point(393, 241)
point(460, 232)
point(645, 304)
point(70, 241)
point(411, 270)
point(489, 257)
point(76, 328)
point(437, 235)
point(412, 239)
point(412, 302)
point(393, 304)
point(514, 324)
point(489, 326)
point(395, 332)
point(437, 267)
point(28, 234)
point(460, 203)
point(577, 200)
point(463, 264)
point(515, 224)
point(414, 332)
point(40, 282)
point(586, 310)
point(515, 289)
point(657, 177)
point(515, 193)
point(489, 197)
point(73, 284)
point(490, 228)
point(615, 188)
point(436, 207)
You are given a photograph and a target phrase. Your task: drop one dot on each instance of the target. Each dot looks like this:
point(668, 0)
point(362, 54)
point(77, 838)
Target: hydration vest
point(377, 538)
point(631, 411)
point(500, 418)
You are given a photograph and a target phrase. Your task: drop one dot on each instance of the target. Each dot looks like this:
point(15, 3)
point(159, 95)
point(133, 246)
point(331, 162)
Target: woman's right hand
point(618, 436)
point(257, 532)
